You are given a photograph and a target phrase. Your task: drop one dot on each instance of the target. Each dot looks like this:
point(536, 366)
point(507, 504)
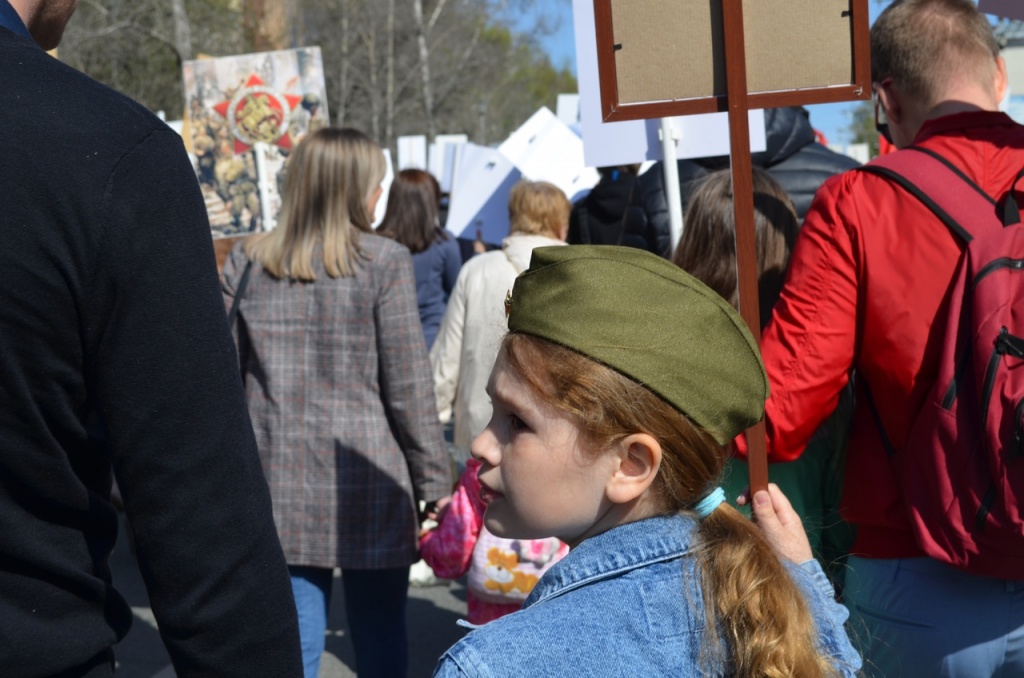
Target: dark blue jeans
point(375, 602)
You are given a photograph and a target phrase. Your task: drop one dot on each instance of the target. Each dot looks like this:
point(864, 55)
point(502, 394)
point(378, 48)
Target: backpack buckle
point(1007, 344)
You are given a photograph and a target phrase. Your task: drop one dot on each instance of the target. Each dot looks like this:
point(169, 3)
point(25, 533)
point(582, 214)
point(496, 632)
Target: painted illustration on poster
point(245, 115)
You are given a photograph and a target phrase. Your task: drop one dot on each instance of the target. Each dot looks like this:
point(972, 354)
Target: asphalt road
point(433, 612)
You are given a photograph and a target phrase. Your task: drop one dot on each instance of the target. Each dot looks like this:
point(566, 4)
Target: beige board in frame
point(658, 58)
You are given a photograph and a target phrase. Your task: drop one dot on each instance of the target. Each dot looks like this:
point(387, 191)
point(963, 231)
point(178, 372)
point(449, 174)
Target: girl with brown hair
point(707, 251)
point(412, 219)
point(707, 248)
point(619, 382)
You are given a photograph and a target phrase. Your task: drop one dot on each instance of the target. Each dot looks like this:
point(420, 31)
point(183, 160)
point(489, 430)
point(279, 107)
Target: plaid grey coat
point(341, 399)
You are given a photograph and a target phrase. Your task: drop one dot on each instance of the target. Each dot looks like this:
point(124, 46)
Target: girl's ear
point(638, 458)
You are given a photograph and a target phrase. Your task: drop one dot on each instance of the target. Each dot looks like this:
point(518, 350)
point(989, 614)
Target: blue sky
point(831, 119)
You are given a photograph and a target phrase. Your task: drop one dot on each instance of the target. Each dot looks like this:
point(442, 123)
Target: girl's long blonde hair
point(757, 622)
point(330, 178)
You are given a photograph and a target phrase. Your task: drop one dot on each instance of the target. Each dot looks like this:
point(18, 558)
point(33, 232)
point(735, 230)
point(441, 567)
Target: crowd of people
point(286, 421)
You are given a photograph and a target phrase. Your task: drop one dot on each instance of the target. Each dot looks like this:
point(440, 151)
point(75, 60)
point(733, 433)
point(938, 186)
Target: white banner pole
point(669, 138)
point(262, 177)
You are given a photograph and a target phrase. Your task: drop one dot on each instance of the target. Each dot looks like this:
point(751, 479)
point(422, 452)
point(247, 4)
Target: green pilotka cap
point(648, 319)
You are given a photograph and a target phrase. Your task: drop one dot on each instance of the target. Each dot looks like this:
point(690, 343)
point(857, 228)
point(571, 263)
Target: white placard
point(1008, 9)
point(568, 109)
point(412, 152)
point(545, 149)
point(385, 185)
point(479, 198)
point(443, 157)
point(622, 143)
point(233, 104)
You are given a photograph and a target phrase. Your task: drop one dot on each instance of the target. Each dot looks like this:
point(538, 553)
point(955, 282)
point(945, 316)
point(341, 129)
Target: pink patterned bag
point(506, 570)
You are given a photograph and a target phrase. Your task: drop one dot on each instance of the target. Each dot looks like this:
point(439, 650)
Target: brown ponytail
point(767, 627)
point(757, 621)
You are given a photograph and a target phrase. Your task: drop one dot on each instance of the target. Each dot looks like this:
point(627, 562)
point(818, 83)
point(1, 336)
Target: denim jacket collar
point(619, 550)
point(636, 585)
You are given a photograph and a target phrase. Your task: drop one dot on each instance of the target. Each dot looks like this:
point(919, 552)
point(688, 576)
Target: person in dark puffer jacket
point(793, 157)
point(611, 214)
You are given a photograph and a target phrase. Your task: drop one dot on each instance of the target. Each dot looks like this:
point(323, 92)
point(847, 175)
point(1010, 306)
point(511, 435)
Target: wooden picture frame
point(660, 58)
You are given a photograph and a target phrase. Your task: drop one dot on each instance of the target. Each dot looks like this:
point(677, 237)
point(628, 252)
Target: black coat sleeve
point(650, 194)
point(161, 365)
point(652, 197)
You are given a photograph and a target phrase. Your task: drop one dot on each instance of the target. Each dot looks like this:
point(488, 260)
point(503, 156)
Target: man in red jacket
point(867, 276)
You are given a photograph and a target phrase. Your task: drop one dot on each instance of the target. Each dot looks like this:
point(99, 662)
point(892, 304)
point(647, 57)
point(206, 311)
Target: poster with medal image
point(244, 115)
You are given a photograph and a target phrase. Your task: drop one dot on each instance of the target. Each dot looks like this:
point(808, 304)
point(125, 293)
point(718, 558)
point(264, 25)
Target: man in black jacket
point(115, 354)
point(793, 157)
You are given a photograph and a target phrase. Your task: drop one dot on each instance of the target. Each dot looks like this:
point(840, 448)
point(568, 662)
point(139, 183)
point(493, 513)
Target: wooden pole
point(743, 208)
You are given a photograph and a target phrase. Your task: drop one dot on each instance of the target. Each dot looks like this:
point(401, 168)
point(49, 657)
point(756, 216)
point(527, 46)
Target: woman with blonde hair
point(338, 387)
point(467, 342)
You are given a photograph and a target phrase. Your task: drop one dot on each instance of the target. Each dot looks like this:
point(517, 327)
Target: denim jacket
point(625, 603)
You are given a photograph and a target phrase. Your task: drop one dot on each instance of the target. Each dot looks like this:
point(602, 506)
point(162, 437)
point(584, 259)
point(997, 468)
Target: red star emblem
point(257, 113)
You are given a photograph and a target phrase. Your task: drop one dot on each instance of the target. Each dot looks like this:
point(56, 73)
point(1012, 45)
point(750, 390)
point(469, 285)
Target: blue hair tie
point(709, 503)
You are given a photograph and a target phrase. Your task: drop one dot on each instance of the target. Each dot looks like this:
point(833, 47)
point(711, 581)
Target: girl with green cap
point(619, 382)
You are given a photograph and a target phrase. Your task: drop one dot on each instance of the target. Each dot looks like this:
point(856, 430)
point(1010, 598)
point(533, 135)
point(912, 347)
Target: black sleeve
point(803, 173)
point(650, 195)
point(575, 236)
point(161, 365)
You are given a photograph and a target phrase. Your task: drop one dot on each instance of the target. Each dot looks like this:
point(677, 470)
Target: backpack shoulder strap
point(949, 193)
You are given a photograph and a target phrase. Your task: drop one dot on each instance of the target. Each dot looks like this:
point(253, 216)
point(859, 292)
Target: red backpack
point(962, 468)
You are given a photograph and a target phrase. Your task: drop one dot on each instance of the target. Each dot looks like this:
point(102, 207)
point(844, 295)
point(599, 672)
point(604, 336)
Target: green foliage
point(487, 73)
point(530, 81)
point(862, 126)
point(129, 45)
